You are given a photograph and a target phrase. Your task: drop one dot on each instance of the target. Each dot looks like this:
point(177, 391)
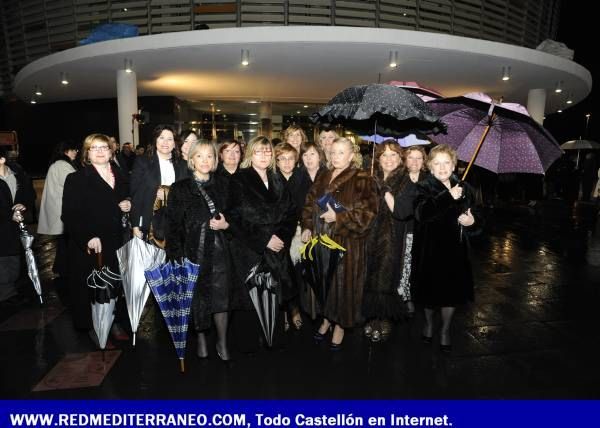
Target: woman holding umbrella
point(386, 242)
point(445, 216)
point(195, 231)
point(356, 191)
point(262, 222)
point(94, 200)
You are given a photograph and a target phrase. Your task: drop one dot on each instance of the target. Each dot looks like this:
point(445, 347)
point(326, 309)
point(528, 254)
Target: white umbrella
point(135, 257)
point(32, 270)
point(103, 315)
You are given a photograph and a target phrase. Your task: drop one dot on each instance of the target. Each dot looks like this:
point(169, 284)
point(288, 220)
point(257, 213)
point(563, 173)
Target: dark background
point(41, 126)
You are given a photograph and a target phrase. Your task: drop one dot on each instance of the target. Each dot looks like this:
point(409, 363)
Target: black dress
point(189, 235)
point(441, 274)
point(255, 213)
point(91, 209)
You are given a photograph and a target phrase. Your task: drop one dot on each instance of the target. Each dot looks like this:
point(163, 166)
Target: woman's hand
point(160, 194)
point(125, 205)
point(456, 192)
point(466, 219)
point(275, 244)
point(137, 232)
point(389, 200)
point(329, 215)
point(220, 224)
point(95, 245)
point(306, 235)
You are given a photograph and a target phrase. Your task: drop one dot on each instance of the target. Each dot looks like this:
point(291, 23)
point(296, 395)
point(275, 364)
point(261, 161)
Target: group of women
point(232, 208)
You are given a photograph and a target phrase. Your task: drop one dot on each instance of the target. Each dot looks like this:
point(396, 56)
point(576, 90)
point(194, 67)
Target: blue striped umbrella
point(173, 287)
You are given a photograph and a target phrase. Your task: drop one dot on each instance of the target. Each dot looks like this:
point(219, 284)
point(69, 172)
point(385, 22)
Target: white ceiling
point(300, 65)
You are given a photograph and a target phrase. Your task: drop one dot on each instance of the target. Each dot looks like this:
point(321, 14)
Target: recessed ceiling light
point(251, 114)
point(63, 78)
point(305, 106)
point(37, 91)
point(33, 102)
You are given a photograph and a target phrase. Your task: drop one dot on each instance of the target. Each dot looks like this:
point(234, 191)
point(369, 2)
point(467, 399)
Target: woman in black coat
point(94, 200)
point(195, 228)
point(386, 243)
point(230, 154)
point(16, 197)
point(161, 167)
point(445, 216)
point(262, 222)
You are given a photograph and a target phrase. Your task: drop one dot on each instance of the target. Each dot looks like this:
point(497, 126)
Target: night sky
point(577, 29)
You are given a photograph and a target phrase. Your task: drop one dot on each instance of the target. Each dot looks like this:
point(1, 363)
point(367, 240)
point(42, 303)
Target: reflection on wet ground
point(533, 332)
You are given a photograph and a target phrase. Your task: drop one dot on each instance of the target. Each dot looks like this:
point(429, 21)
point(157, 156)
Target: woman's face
point(231, 156)
point(414, 161)
point(326, 140)
point(341, 155)
point(99, 153)
point(389, 160)
point(261, 157)
point(165, 142)
point(204, 160)
point(187, 143)
point(295, 139)
point(286, 162)
point(311, 159)
point(441, 166)
point(71, 154)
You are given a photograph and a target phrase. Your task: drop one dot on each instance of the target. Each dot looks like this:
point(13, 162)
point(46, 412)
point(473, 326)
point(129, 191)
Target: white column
point(536, 104)
point(127, 106)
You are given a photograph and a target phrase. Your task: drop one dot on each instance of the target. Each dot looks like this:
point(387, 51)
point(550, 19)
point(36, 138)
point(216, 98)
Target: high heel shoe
point(318, 337)
point(446, 349)
point(223, 355)
point(335, 347)
point(427, 339)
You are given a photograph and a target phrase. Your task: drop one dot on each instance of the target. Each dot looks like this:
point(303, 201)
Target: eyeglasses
point(263, 152)
point(286, 159)
point(99, 149)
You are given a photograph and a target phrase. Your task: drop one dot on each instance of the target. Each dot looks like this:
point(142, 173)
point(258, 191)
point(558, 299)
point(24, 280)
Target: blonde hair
point(290, 130)
point(260, 140)
point(357, 159)
point(87, 143)
point(196, 146)
point(442, 149)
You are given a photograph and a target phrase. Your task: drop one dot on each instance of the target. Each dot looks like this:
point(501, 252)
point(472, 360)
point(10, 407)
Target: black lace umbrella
point(381, 109)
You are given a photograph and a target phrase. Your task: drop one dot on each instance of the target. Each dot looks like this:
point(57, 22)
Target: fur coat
point(386, 245)
point(441, 274)
point(357, 192)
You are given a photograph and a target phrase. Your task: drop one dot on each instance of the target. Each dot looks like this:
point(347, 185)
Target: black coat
point(9, 230)
point(386, 245)
point(189, 235)
point(256, 213)
point(299, 185)
point(145, 181)
point(441, 273)
point(91, 209)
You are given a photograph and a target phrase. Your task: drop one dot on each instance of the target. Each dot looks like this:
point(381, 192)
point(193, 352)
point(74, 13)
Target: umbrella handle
point(478, 148)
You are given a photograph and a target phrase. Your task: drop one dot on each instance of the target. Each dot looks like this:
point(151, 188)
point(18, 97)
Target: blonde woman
point(356, 191)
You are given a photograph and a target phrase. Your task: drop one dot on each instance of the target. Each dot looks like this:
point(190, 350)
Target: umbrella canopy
point(408, 141)
point(426, 94)
point(104, 286)
point(378, 108)
point(514, 142)
point(173, 287)
point(32, 270)
point(134, 258)
point(580, 145)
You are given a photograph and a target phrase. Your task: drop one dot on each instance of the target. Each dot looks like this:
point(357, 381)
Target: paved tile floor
point(533, 332)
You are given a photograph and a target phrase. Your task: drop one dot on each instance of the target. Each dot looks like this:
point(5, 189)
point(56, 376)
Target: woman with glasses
point(353, 193)
point(262, 222)
point(151, 177)
point(94, 200)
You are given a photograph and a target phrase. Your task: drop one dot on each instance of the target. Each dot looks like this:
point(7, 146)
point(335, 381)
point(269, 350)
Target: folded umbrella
point(32, 270)
point(104, 286)
point(262, 288)
point(134, 258)
point(173, 285)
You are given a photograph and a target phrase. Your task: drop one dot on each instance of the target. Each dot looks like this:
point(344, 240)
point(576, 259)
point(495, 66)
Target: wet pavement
point(533, 332)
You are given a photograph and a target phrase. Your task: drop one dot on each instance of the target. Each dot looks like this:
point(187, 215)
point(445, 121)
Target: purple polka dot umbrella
point(500, 137)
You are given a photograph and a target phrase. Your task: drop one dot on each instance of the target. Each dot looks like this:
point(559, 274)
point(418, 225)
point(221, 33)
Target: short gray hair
point(197, 146)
